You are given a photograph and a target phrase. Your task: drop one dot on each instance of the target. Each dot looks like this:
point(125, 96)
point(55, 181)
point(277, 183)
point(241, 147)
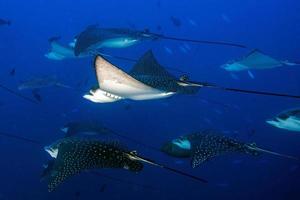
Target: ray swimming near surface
point(95, 37)
point(256, 60)
point(74, 155)
point(206, 145)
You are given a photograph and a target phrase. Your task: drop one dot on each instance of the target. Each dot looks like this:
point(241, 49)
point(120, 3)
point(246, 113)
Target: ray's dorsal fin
point(148, 65)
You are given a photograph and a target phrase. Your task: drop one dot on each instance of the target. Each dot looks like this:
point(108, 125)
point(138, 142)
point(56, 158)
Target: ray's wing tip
point(99, 60)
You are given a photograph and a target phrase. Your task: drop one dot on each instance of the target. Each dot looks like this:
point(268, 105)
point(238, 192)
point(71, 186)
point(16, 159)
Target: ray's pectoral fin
point(201, 155)
point(115, 84)
point(61, 171)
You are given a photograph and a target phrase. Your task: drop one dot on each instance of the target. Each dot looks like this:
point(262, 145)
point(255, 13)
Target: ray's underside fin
point(213, 86)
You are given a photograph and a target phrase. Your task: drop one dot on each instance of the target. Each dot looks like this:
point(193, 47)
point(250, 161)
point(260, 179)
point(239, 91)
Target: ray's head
point(180, 147)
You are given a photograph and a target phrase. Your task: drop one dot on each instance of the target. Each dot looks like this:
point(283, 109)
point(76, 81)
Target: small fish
point(12, 72)
point(186, 46)
point(206, 145)
point(251, 75)
point(176, 21)
point(226, 18)
point(168, 50)
point(193, 22)
point(5, 22)
point(36, 95)
point(234, 76)
point(288, 120)
point(183, 50)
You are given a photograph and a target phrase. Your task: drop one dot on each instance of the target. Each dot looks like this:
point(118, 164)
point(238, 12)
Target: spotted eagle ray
point(288, 120)
point(147, 80)
point(49, 165)
point(205, 145)
point(61, 52)
point(74, 155)
point(256, 60)
point(94, 37)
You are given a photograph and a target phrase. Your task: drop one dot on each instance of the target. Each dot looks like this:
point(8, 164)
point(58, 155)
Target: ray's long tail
point(253, 147)
point(208, 42)
point(133, 155)
point(213, 86)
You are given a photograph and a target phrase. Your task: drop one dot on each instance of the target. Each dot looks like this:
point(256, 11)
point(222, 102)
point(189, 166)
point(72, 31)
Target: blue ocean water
point(272, 26)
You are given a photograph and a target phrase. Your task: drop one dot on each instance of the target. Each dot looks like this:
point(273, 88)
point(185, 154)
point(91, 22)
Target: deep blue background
point(270, 25)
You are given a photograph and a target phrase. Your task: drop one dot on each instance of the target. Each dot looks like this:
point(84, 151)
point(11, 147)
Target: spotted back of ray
point(148, 65)
point(150, 72)
point(76, 155)
point(206, 146)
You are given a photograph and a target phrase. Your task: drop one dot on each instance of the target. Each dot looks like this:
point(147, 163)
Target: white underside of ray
point(182, 143)
point(53, 152)
point(291, 123)
point(121, 42)
point(60, 52)
point(115, 84)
